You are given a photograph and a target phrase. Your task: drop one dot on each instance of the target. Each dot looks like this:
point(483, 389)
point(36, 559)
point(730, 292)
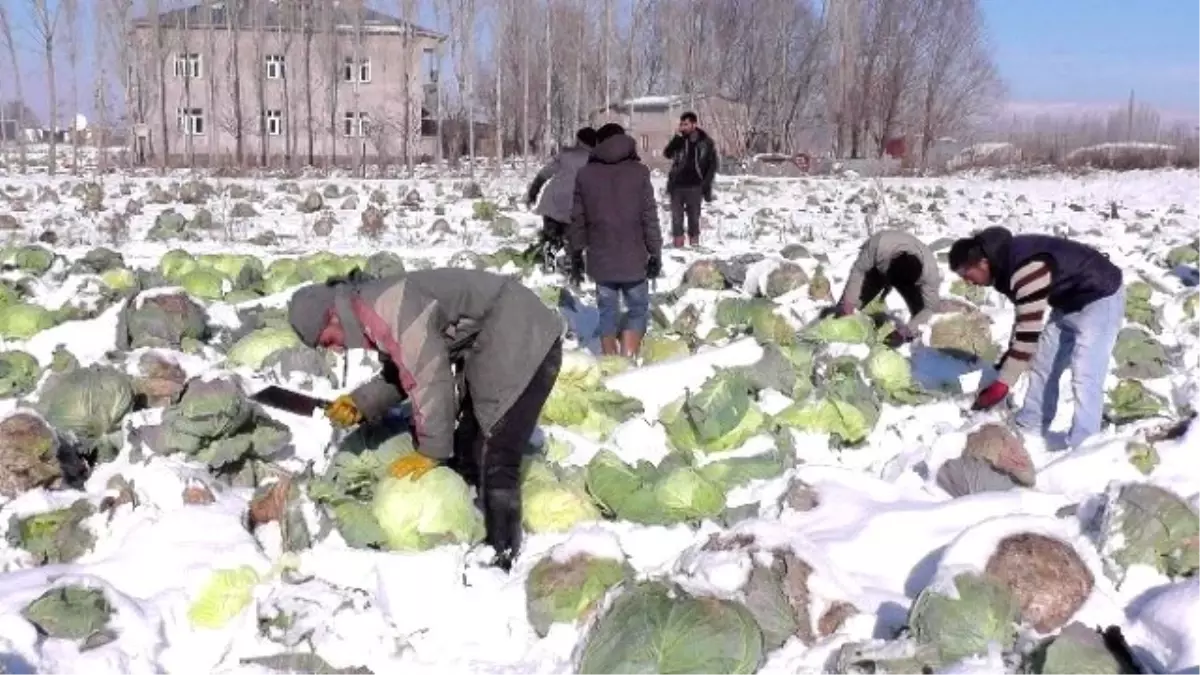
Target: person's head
point(905, 270)
point(586, 137)
point(688, 122)
point(312, 315)
point(968, 260)
point(608, 131)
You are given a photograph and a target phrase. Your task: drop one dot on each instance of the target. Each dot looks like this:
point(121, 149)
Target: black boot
point(502, 517)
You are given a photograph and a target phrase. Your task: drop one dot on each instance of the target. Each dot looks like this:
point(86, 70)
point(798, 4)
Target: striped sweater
point(1031, 295)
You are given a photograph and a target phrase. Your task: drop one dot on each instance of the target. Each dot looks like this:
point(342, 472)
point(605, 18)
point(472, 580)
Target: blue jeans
point(637, 306)
point(1082, 341)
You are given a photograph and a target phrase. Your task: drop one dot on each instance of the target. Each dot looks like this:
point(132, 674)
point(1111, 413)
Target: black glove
point(708, 194)
point(653, 267)
point(895, 339)
point(834, 311)
point(577, 268)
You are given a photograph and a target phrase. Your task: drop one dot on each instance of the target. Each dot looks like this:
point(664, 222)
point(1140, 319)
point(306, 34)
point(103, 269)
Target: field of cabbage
point(765, 493)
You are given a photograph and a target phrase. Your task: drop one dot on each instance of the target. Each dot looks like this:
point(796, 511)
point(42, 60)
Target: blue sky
point(1089, 53)
point(1095, 51)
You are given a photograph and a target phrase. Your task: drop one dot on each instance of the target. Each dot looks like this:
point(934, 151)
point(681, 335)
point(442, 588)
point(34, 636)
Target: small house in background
point(653, 120)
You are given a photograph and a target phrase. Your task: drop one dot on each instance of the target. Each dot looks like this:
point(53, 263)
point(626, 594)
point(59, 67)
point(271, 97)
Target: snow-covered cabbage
point(223, 597)
point(579, 369)
point(205, 283)
point(593, 411)
point(89, 401)
point(175, 264)
point(657, 348)
point(554, 501)
point(283, 274)
point(961, 621)
point(34, 259)
point(1130, 401)
point(1138, 308)
point(1143, 524)
point(671, 492)
point(384, 264)
point(435, 509)
point(161, 321)
point(652, 627)
point(1076, 649)
point(735, 471)
point(19, 373)
point(1184, 254)
point(720, 416)
point(245, 271)
point(253, 349)
point(1137, 354)
point(567, 591)
point(22, 321)
point(120, 279)
point(843, 406)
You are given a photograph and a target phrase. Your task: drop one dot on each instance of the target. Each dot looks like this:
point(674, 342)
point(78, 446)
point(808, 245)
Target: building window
point(355, 124)
point(273, 122)
point(188, 65)
point(431, 66)
point(274, 63)
point(191, 121)
point(356, 70)
point(645, 143)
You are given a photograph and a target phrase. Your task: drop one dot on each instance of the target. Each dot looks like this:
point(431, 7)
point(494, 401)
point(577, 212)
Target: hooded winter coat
point(424, 322)
point(877, 254)
point(615, 219)
point(558, 193)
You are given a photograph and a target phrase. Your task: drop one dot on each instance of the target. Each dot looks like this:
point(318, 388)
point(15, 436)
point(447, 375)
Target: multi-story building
point(315, 81)
point(653, 120)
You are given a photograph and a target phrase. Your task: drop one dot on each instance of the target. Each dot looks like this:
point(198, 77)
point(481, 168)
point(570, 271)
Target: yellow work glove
point(342, 412)
point(413, 465)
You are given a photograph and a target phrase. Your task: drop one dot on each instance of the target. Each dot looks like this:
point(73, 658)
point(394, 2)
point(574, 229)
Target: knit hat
point(309, 310)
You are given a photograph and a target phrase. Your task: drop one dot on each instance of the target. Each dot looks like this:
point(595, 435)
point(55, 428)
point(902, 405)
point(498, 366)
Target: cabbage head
point(34, 259)
point(22, 321)
point(579, 369)
point(653, 627)
point(223, 597)
point(843, 406)
point(120, 279)
point(436, 509)
point(89, 401)
point(253, 349)
point(1184, 254)
point(175, 264)
point(1130, 401)
point(245, 271)
point(384, 264)
point(960, 622)
point(206, 283)
point(594, 412)
point(565, 592)
point(720, 416)
point(8, 294)
point(284, 274)
point(657, 348)
point(854, 329)
point(1143, 524)
point(553, 503)
point(892, 374)
point(1189, 305)
point(669, 493)
point(19, 373)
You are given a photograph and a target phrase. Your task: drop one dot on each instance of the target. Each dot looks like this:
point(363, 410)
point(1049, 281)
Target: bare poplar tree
point(46, 19)
point(10, 46)
point(503, 22)
point(469, 64)
point(547, 132)
point(71, 16)
point(525, 73)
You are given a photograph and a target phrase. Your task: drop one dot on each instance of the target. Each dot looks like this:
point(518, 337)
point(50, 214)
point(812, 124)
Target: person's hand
point(577, 268)
point(342, 412)
point(990, 396)
point(412, 466)
point(708, 195)
point(653, 267)
point(897, 337)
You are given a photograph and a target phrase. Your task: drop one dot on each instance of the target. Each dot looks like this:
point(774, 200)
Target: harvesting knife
point(289, 400)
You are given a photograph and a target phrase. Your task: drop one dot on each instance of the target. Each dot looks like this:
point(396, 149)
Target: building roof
point(661, 101)
point(276, 15)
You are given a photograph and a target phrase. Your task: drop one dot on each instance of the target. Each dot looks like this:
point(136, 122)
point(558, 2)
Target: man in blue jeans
point(1083, 291)
point(615, 222)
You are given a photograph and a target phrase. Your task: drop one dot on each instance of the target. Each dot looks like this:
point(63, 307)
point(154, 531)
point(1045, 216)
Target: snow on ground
point(881, 524)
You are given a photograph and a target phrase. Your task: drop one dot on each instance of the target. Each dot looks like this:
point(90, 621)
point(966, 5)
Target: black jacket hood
point(615, 150)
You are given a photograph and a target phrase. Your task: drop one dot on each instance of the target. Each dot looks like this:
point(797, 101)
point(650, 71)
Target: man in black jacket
point(694, 165)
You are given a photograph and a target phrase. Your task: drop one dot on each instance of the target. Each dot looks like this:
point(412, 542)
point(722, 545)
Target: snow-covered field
point(881, 530)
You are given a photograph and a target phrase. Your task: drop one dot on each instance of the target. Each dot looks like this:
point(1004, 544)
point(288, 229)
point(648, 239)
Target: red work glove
point(989, 397)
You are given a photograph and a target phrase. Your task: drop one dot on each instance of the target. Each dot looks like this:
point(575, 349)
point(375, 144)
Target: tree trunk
point(547, 133)
point(501, 29)
point(239, 122)
point(11, 46)
point(71, 10)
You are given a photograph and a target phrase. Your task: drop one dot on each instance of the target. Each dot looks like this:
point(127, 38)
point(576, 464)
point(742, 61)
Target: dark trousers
point(686, 201)
point(554, 231)
point(492, 461)
point(876, 284)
